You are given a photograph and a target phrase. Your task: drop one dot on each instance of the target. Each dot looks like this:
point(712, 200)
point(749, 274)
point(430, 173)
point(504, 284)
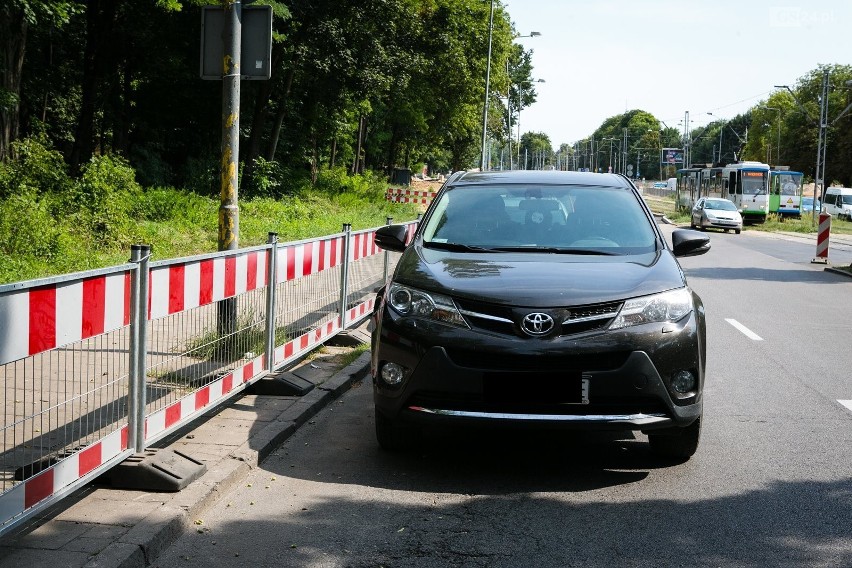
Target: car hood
point(538, 279)
point(722, 214)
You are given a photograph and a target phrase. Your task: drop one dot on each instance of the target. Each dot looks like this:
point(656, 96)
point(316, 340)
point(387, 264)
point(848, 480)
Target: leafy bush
point(27, 228)
point(267, 179)
point(36, 169)
point(168, 204)
point(103, 198)
point(368, 185)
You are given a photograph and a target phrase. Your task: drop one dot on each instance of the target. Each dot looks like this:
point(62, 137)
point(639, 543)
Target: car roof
point(544, 177)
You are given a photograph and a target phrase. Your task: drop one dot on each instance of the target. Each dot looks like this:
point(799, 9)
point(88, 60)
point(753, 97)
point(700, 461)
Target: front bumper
point(721, 224)
point(464, 376)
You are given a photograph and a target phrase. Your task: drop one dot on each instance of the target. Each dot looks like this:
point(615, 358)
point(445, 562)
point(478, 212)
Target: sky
point(600, 58)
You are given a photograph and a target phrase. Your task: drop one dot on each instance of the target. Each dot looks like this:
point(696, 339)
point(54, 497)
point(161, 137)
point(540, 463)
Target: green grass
point(177, 223)
point(356, 352)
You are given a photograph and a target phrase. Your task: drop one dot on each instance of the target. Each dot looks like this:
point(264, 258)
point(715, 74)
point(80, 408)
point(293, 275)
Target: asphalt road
point(771, 484)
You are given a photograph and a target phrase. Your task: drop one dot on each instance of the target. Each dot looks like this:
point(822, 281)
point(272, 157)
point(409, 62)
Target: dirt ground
point(425, 185)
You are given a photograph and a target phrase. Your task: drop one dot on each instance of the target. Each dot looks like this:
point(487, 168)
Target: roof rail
point(455, 175)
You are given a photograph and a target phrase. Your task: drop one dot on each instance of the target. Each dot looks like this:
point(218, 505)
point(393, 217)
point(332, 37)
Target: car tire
point(677, 442)
point(737, 231)
point(391, 436)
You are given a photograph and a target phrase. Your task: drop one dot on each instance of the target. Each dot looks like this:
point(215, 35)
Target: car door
point(696, 212)
point(828, 202)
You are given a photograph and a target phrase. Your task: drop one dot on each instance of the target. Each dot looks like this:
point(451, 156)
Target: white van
point(838, 202)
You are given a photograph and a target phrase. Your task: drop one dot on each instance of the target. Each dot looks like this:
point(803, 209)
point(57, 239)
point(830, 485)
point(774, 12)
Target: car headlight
point(408, 301)
point(709, 215)
point(666, 307)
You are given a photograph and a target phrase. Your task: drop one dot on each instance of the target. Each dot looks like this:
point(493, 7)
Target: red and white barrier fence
point(56, 314)
point(400, 195)
point(45, 315)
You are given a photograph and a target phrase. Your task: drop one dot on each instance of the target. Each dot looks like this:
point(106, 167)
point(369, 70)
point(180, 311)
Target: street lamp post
point(509, 110)
point(487, 87)
point(521, 101)
point(721, 131)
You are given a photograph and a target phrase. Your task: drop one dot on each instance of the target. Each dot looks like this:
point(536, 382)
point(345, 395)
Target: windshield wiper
point(558, 250)
point(456, 247)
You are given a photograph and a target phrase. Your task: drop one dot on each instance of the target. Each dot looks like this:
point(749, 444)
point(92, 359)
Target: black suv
point(540, 297)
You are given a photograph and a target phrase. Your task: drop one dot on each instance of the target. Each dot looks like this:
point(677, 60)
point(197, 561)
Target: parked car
point(544, 298)
point(717, 213)
point(838, 202)
point(808, 204)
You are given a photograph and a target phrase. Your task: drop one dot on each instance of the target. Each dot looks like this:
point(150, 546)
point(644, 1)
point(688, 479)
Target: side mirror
point(686, 242)
point(392, 237)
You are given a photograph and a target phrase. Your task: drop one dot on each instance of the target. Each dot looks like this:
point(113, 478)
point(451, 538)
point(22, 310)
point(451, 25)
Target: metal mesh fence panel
point(60, 401)
point(190, 349)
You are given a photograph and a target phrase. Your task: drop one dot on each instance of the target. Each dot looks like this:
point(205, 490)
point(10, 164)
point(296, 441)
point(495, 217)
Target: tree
point(16, 17)
point(799, 124)
point(536, 151)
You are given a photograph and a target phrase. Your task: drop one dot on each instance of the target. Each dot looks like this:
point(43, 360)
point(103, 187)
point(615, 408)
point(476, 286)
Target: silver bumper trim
point(639, 419)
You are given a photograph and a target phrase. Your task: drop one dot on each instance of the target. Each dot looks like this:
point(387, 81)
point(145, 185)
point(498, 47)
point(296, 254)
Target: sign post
point(222, 58)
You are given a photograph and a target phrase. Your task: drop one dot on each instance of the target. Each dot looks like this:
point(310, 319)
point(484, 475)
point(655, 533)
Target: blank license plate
point(545, 388)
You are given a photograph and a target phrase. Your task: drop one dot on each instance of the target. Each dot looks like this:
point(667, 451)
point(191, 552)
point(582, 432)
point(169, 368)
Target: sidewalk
point(103, 527)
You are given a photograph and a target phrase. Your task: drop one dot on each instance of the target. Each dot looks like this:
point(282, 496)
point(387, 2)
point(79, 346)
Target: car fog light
point(393, 373)
point(683, 381)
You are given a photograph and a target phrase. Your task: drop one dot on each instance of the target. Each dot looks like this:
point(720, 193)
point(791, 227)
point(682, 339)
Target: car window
point(553, 217)
point(720, 204)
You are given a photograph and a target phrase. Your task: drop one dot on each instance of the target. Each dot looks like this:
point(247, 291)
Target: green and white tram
point(785, 192)
point(747, 185)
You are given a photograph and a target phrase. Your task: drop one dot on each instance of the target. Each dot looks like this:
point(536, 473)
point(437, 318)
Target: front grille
point(505, 320)
point(592, 317)
point(488, 317)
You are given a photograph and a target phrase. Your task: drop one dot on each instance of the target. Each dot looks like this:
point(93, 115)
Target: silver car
point(717, 213)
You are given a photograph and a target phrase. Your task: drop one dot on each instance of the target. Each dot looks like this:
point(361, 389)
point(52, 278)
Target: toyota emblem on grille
point(537, 324)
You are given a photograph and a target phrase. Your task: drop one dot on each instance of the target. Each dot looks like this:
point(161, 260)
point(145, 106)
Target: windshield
point(786, 184)
point(754, 183)
point(847, 199)
point(720, 204)
point(539, 218)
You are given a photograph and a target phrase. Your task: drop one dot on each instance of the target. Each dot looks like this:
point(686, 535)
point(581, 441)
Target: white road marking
point(746, 331)
point(846, 403)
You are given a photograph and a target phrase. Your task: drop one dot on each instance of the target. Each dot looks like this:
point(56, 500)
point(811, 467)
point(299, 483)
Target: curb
point(142, 544)
point(838, 271)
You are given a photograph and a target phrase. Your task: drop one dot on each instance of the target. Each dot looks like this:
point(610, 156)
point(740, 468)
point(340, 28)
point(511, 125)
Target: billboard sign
point(671, 156)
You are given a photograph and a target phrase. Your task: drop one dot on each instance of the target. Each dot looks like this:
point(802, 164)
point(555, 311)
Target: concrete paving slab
point(96, 509)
